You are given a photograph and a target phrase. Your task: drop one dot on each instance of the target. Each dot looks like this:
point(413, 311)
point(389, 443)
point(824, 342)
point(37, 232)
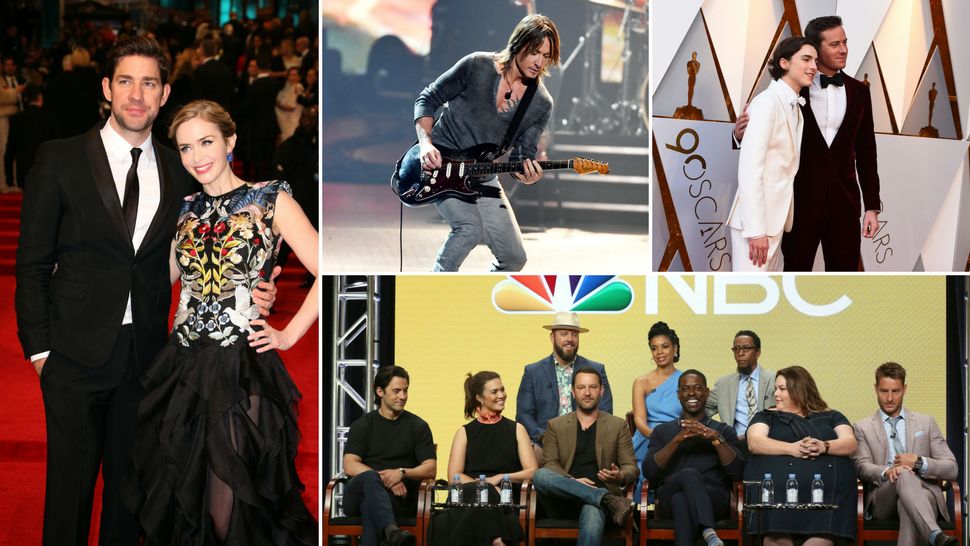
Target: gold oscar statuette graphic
point(929, 130)
point(865, 79)
point(690, 111)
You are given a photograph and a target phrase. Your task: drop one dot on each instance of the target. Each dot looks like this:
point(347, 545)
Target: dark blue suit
point(538, 398)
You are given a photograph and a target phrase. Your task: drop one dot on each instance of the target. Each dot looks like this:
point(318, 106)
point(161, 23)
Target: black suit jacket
point(75, 262)
point(28, 130)
point(214, 81)
point(260, 104)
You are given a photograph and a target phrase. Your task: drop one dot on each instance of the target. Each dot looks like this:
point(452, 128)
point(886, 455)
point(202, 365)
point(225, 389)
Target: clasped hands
point(694, 429)
point(808, 448)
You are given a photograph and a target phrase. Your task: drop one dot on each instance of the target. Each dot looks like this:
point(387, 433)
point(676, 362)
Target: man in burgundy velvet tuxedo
point(837, 143)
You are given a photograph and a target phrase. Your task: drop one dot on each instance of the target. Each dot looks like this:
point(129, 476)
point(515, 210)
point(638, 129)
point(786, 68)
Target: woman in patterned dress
point(214, 460)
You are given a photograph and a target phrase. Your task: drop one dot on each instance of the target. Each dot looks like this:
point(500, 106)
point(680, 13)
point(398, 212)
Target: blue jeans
point(489, 220)
point(592, 517)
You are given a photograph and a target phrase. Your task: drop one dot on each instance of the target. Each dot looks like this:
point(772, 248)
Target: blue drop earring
point(229, 157)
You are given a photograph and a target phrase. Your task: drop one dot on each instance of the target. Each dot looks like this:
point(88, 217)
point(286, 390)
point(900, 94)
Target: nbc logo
point(552, 293)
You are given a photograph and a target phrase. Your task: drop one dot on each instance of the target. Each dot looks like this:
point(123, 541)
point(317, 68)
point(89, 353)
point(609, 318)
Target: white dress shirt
point(149, 190)
point(828, 105)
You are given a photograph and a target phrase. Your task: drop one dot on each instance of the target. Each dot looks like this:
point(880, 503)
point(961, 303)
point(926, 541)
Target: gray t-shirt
point(470, 89)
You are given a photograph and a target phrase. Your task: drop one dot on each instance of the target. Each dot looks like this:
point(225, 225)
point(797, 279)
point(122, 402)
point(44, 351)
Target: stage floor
point(361, 235)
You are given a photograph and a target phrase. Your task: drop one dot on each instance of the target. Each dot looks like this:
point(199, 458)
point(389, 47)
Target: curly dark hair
point(786, 49)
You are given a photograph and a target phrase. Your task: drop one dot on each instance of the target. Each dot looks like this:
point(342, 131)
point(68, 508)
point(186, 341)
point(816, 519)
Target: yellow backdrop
point(839, 327)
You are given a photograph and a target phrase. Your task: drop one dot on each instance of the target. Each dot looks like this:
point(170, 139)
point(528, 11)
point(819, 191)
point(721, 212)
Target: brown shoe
point(618, 507)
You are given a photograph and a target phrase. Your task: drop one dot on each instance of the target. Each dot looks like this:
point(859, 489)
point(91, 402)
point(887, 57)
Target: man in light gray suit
point(901, 456)
point(738, 396)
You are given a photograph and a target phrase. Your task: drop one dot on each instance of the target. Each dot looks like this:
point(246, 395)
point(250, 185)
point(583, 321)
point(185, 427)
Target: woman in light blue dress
point(655, 393)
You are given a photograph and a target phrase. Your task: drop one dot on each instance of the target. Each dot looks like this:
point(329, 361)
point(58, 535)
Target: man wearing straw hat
point(545, 391)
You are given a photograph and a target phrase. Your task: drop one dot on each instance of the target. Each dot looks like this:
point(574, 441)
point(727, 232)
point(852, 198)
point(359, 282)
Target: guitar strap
point(530, 90)
point(517, 119)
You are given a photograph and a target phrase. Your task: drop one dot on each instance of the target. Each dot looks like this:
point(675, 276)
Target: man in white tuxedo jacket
point(763, 207)
point(738, 396)
point(901, 456)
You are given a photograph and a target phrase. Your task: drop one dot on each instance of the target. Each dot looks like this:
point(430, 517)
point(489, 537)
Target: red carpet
point(22, 430)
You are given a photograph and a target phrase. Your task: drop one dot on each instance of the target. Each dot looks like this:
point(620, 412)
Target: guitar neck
point(481, 169)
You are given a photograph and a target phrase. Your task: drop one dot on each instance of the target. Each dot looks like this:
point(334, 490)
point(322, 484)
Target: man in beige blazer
point(763, 207)
point(588, 462)
point(901, 456)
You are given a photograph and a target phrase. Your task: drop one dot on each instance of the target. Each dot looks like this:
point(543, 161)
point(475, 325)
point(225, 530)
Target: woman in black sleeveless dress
point(493, 446)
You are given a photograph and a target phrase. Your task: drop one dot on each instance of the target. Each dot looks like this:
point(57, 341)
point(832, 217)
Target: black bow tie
point(835, 80)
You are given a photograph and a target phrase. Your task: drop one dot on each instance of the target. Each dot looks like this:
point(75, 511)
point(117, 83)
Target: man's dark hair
point(141, 46)
point(815, 28)
point(754, 337)
point(384, 377)
point(891, 370)
point(692, 371)
point(586, 369)
point(786, 49)
point(31, 93)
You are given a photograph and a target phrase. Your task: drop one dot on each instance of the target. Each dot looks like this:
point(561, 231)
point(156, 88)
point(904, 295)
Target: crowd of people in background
point(263, 71)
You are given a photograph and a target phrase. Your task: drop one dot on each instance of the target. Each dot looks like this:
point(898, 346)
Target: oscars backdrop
point(838, 327)
point(710, 58)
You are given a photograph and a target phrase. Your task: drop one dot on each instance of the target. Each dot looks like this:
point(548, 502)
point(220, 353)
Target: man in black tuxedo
point(213, 79)
point(28, 130)
point(94, 289)
point(260, 129)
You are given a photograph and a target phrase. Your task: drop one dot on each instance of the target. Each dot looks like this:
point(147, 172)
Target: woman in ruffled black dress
point(217, 436)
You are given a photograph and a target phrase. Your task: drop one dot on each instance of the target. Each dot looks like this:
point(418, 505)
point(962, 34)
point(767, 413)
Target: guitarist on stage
point(483, 91)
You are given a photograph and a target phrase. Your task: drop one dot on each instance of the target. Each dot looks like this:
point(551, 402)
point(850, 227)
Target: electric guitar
point(459, 169)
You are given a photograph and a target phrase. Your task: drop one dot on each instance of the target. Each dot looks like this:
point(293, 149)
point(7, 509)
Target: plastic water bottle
point(456, 489)
point(481, 490)
point(505, 489)
point(791, 490)
point(817, 489)
point(767, 490)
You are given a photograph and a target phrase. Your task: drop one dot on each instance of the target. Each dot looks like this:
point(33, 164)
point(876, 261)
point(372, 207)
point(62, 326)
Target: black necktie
point(130, 204)
point(835, 80)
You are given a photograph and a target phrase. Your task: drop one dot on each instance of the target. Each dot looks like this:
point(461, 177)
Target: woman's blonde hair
point(80, 57)
point(206, 110)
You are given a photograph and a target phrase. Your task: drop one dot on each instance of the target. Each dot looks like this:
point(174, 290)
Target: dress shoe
point(944, 540)
point(618, 507)
point(398, 537)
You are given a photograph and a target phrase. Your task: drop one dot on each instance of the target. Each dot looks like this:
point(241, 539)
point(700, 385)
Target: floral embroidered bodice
point(224, 246)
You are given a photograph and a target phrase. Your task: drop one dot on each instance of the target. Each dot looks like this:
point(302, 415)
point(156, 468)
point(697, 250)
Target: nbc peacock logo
point(552, 293)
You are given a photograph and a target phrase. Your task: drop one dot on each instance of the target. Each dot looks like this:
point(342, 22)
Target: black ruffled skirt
point(195, 419)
